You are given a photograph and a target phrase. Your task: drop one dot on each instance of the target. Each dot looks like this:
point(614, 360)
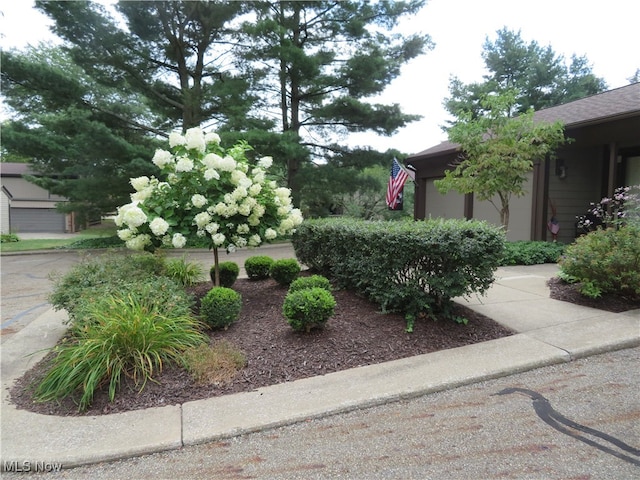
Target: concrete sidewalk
point(549, 332)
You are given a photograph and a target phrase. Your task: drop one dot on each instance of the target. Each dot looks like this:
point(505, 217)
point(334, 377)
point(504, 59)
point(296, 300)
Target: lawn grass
point(104, 230)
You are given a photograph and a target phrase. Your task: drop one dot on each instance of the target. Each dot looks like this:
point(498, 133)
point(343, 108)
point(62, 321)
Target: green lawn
point(101, 231)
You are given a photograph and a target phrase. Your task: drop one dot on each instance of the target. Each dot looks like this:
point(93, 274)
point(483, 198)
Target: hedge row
point(406, 267)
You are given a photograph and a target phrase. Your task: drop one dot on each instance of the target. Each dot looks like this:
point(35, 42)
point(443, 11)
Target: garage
point(27, 207)
point(27, 220)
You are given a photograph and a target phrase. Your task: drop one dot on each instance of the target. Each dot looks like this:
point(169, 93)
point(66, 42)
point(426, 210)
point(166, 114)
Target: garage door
point(37, 220)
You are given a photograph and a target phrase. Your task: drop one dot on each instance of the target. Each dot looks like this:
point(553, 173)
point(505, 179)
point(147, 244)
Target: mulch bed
point(359, 334)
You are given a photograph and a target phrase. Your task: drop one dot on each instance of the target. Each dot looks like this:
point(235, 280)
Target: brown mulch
point(561, 290)
point(359, 334)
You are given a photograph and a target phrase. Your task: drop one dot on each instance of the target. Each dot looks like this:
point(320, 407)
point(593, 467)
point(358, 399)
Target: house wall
point(519, 213)
point(437, 205)
point(4, 213)
point(572, 195)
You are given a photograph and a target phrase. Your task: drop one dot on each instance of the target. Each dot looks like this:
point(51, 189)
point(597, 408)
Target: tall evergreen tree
point(539, 76)
point(321, 62)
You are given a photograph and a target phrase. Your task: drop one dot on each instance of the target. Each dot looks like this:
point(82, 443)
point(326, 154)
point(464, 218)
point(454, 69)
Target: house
point(604, 155)
point(26, 207)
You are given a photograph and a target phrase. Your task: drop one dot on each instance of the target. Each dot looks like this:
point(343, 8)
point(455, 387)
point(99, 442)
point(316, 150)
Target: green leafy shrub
point(96, 243)
point(308, 308)
point(531, 252)
point(9, 238)
point(258, 267)
point(213, 365)
point(220, 307)
point(228, 271)
point(408, 267)
point(123, 336)
point(111, 271)
point(605, 261)
point(310, 282)
point(183, 272)
point(285, 270)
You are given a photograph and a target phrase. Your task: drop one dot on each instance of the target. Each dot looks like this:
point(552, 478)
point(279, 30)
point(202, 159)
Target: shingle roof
point(604, 107)
point(9, 169)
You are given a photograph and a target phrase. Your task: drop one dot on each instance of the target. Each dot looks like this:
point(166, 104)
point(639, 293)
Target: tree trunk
point(216, 267)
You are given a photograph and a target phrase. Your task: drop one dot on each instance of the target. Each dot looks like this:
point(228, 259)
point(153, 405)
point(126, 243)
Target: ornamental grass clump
point(184, 272)
point(228, 272)
point(308, 308)
point(285, 270)
point(258, 267)
point(124, 336)
point(220, 307)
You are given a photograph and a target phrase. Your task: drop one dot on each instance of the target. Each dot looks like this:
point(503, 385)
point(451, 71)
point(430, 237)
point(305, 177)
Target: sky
point(605, 32)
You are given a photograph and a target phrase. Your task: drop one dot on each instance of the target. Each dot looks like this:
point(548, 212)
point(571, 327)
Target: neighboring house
point(26, 207)
point(604, 155)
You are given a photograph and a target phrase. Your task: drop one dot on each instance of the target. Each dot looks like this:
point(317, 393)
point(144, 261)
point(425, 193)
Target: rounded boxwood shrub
point(310, 282)
point(308, 308)
point(258, 267)
point(285, 271)
point(229, 272)
point(220, 307)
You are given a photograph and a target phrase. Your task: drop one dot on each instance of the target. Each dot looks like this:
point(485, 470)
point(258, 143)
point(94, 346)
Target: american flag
point(396, 182)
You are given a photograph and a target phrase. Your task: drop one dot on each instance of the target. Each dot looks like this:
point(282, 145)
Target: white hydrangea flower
point(184, 164)
point(194, 139)
point(270, 234)
point(239, 193)
point(265, 162)
point(159, 226)
point(142, 195)
point(162, 158)
point(231, 248)
point(211, 173)
point(255, 189)
point(227, 164)
point(212, 160)
point(296, 216)
point(212, 137)
point(237, 176)
point(240, 242)
point(286, 226)
point(202, 219)
point(259, 176)
point(134, 216)
point(212, 228)
point(220, 208)
point(139, 183)
point(254, 240)
point(283, 211)
point(172, 178)
point(125, 234)
point(178, 240)
point(218, 239)
point(244, 209)
point(198, 200)
point(258, 210)
point(243, 228)
point(175, 139)
point(282, 195)
point(253, 220)
point(138, 242)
